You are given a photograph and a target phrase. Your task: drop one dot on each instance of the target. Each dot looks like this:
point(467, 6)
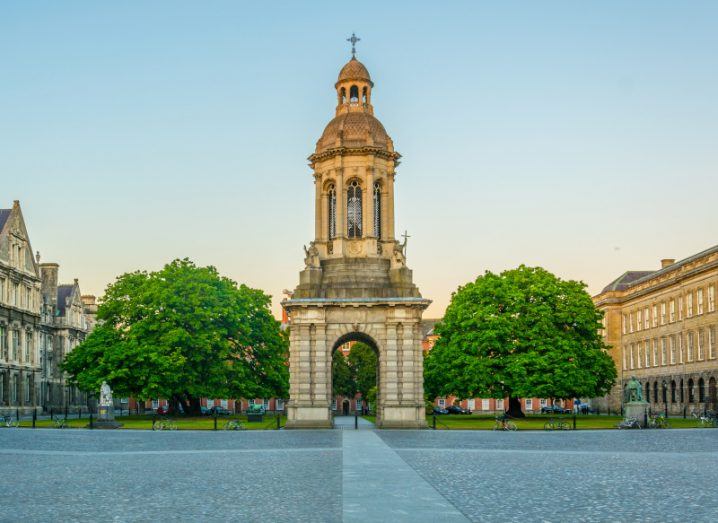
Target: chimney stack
point(665, 262)
point(49, 274)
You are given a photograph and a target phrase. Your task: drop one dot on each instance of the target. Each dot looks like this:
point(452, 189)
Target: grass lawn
point(484, 422)
point(189, 423)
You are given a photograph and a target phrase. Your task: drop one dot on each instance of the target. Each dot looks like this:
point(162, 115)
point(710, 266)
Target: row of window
point(669, 312)
point(10, 395)
point(671, 350)
point(354, 210)
point(16, 345)
point(18, 296)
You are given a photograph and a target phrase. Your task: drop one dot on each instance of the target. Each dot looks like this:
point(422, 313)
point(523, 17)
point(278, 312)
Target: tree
point(182, 333)
point(342, 378)
point(363, 363)
point(522, 333)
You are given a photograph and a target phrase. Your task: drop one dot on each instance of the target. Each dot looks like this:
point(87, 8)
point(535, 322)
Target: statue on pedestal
point(106, 410)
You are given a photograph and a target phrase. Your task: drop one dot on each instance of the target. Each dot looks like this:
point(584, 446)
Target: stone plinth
point(636, 409)
point(106, 419)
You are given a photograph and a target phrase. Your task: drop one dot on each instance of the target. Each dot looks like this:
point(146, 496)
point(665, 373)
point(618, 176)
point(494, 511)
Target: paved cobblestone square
point(346, 475)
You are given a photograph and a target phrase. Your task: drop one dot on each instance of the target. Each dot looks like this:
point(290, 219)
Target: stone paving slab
point(380, 486)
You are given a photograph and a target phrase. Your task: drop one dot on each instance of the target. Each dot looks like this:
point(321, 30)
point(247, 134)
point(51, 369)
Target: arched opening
point(673, 391)
point(691, 394)
point(354, 94)
point(712, 393)
point(354, 210)
point(655, 392)
point(355, 376)
point(363, 95)
point(343, 95)
point(648, 392)
point(664, 392)
point(701, 390)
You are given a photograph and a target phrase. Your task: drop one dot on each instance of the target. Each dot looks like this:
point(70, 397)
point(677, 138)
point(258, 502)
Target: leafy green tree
point(521, 333)
point(342, 378)
point(183, 333)
point(363, 362)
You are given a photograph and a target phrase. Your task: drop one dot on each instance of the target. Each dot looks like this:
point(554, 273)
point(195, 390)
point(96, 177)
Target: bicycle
point(60, 423)
point(505, 424)
point(233, 424)
point(708, 421)
point(553, 424)
point(10, 423)
point(164, 424)
point(629, 423)
point(658, 422)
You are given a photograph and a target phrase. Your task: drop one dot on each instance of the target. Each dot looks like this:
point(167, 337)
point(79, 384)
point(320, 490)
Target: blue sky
point(580, 136)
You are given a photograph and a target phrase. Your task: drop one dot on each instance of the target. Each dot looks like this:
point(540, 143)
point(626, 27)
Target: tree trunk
point(515, 408)
point(193, 406)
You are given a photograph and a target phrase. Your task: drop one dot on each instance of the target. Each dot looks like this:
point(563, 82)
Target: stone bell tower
point(355, 284)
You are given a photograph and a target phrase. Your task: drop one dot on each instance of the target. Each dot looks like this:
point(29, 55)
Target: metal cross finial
point(354, 39)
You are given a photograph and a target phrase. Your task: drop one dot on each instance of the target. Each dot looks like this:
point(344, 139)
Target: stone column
point(341, 204)
point(318, 224)
point(390, 205)
point(369, 203)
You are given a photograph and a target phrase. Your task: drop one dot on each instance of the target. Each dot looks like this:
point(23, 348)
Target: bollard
point(433, 421)
point(17, 414)
point(645, 418)
point(279, 421)
point(79, 413)
point(684, 413)
point(666, 411)
point(574, 422)
point(34, 418)
point(91, 425)
point(356, 421)
point(52, 413)
point(215, 422)
point(65, 411)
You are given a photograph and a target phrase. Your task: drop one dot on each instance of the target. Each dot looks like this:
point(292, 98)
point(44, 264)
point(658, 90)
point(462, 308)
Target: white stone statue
point(105, 395)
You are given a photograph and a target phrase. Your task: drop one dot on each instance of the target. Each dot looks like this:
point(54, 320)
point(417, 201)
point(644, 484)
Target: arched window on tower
point(377, 209)
point(354, 94)
point(354, 210)
point(344, 95)
point(332, 203)
point(363, 95)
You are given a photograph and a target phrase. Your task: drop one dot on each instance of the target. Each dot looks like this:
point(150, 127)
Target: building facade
point(40, 321)
point(662, 327)
point(356, 285)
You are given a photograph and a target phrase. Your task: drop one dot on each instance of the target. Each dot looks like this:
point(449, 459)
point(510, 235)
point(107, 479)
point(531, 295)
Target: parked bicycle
point(504, 423)
point(708, 421)
point(60, 423)
point(9, 422)
point(164, 424)
point(629, 423)
point(233, 424)
point(658, 422)
point(556, 424)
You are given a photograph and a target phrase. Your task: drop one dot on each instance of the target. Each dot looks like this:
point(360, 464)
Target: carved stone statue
point(634, 392)
point(311, 256)
point(105, 395)
point(398, 255)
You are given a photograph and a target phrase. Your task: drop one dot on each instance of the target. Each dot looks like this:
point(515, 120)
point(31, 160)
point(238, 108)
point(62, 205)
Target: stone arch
point(712, 392)
point(364, 334)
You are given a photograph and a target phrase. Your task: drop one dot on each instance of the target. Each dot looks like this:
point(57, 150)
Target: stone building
point(40, 321)
point(355, 285)
point(662, 327)
point(19, 315)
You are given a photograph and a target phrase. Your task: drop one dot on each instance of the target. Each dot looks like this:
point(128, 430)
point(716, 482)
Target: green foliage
point(183, 332)
point(522, 333)
point(363, 363)
point(342, 379)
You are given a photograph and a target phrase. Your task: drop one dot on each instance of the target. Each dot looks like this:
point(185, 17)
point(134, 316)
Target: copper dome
point(353, 129)
point(354, 70)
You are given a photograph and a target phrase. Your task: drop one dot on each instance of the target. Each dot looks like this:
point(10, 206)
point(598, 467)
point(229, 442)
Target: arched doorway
point(355, 377)
point(712, 393)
